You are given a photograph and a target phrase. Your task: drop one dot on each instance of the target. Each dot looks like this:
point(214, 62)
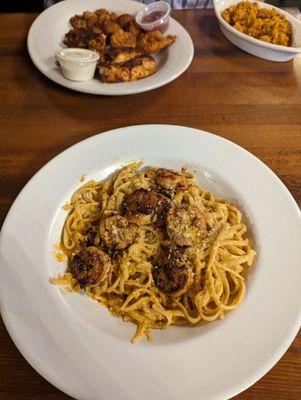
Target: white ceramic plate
point(79, 347)
point(48, 30)
point(254, 46)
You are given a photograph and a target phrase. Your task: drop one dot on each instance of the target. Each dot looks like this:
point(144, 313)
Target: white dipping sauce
point(78, 64)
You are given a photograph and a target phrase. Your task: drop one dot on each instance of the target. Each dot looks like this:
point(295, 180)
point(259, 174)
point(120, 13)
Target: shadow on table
point(115, 111)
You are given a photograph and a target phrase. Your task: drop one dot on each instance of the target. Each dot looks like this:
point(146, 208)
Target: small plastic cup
point(154, 16)
point(77, 64)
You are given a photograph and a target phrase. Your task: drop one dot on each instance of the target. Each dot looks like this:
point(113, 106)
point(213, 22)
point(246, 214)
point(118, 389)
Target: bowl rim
point(260, 43)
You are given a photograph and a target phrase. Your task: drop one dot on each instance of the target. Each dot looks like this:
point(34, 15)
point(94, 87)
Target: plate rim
point(246, 382)
point(81, 89)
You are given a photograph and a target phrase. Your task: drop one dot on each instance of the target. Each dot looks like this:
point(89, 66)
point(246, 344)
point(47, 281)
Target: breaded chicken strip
point(87, 21)
point(90, 19)
point(125, 19)
point(85, 38)
point(120, 56)
point(127, 23)
point(153, 41)
point(137, 68)
point(120, 38)
point(109, 27)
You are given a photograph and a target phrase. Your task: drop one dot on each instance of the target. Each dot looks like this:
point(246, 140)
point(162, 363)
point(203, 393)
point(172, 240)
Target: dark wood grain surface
point(252, 102)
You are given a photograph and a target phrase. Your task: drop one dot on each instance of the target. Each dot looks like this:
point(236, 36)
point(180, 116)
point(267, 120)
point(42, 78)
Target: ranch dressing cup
point(77, 64)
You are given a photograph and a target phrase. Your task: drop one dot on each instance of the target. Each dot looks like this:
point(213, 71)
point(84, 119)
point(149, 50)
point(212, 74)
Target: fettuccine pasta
point(203, 239)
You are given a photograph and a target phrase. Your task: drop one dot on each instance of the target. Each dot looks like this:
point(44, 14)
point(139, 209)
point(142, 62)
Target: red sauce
point(152, 17)
point(155, 18)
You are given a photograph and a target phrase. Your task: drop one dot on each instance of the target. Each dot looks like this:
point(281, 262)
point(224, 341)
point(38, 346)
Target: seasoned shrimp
point(117, 232)
point(145, 207)
point(171, 274)
point(90, 266)
point(170, 180)
point(186, 225)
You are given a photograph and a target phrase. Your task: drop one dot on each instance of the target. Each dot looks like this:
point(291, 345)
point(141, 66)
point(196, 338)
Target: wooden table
point(252, 102)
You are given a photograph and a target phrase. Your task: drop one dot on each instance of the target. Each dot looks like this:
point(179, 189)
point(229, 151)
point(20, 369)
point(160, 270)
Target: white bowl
point(268, 51)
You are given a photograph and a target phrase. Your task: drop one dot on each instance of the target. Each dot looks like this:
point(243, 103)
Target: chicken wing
point(136, 68)
point(153, 41)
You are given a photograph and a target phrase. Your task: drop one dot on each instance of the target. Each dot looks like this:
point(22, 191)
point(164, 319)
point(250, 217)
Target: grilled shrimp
point(117, 232)
point(170, 179)
point(145, 207)
point(171, 274)
point(90, 266)
point(186, 225)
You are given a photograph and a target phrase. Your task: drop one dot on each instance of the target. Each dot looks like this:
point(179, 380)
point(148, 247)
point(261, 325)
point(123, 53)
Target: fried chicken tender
point(117, 232)
point(127, 23)
point(120, 56)
point(134, 69)
point(113, 16)
point(171, 274)
point(120, 38)
point(92, 19)
point(110, 27)
point(104, 15)
point(85, 38)
point(87, 20)
point(78, 21)
point(186, 225)
point(134, 29)
point(125, 19)
point(152, 41)
point(98, 45)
